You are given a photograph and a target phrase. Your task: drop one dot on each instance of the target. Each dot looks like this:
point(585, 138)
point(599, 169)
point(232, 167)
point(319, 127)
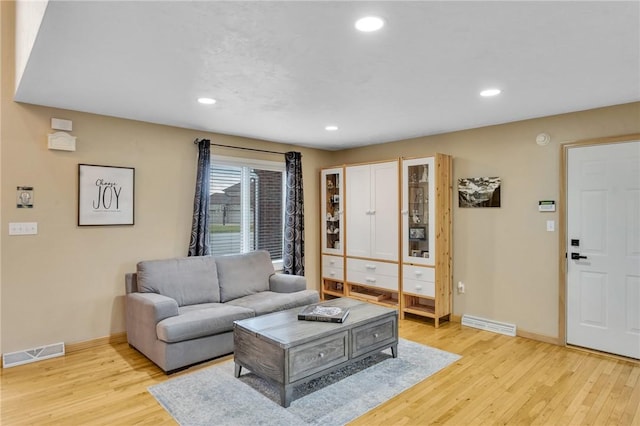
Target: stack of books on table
point(323, 313)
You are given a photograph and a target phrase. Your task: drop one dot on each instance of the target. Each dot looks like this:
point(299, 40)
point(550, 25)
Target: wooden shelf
point(419, 305)
point(333, 293)
point(389, 303)
point(415, 295)
point(422, 306)
point(371, 295)
point(332, 288)
point(374, 295)
point(423, 310)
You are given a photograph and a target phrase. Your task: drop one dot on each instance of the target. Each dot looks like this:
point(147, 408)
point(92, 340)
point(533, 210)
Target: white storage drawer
point(373, 280)
point(419, 274)
point(373, 267)
point(373, 274)
point(333, 262)
point(421, 288)
point(417, 280)
point(333, 267)
point(333, 273)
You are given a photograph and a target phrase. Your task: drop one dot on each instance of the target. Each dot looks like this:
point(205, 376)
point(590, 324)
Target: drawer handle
point(321, 355)
point(370, 266)
point(332, 262)
point(370, 280)
point(332, 273)
point(418, 287)
point(418, 273)
point(375, 335)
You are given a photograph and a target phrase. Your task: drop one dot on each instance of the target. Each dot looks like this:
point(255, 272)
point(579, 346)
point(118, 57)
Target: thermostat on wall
point(547, 206)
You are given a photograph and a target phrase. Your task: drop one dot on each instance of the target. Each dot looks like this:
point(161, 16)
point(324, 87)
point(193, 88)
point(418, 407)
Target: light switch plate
point(551, 225)
point(23, 228)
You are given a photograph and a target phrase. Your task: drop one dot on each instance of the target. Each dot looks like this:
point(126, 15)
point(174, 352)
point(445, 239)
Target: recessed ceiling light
point(207, 101)
point(490, 92)
point(369, 24)
point(331, 128)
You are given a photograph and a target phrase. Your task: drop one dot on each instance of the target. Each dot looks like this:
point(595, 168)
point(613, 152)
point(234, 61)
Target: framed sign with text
point(105, 195)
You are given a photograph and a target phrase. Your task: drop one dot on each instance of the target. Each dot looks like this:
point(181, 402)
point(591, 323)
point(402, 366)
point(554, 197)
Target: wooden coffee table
point(287, 351)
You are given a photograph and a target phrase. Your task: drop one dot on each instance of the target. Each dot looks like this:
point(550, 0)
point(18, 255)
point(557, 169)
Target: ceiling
point(282, 71)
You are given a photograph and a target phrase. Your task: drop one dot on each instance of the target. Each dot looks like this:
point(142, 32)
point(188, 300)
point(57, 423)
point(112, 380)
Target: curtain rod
point(241, 147)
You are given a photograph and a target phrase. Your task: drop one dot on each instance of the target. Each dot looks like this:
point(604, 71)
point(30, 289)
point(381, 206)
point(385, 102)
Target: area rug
point(213, 396)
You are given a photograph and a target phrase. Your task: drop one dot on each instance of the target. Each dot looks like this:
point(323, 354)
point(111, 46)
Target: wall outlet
point(460, 287)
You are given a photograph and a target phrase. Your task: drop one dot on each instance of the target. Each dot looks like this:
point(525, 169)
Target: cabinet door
point(384, 214)
point(331, 211)
point(418, 211)
point(358, 210)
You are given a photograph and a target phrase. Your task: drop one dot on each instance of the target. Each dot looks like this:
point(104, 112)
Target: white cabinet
point(418, 211)
point(396, 222)
point(426, 237)
point(372, 210)
point(332, 212)
point(332, 232)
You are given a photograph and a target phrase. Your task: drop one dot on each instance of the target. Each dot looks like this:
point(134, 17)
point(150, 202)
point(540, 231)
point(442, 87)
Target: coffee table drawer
point(372, 336)
point(310, 358)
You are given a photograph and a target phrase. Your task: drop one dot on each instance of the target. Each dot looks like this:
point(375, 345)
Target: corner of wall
point(29, 15)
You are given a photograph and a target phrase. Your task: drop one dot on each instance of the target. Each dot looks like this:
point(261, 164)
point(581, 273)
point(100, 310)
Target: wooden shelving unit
point(331, 211)
point(426, 257)
point(405, 264)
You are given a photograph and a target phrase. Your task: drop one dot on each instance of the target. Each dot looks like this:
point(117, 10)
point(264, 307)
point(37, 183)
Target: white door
point(358, 210)
point(385, 211)
point(603, 248)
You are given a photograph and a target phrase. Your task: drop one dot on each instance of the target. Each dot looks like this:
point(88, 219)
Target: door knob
point(576, 256)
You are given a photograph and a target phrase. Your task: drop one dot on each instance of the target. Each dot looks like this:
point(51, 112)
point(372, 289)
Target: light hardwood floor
point(499, 380)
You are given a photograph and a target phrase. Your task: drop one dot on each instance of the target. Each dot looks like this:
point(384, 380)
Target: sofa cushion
point(195, 323)
point(243, 274)
point(188, 280)
point(268, 301)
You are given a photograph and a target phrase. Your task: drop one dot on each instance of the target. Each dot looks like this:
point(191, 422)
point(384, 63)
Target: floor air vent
point(32, 355)
point(489, 325)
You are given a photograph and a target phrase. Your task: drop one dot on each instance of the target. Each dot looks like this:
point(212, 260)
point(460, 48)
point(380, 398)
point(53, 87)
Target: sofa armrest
point(151, 307)
point(285, 283)
point(130, 282)
point(143, 312)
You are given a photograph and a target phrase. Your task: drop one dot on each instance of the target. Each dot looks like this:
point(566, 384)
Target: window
point(246, 210)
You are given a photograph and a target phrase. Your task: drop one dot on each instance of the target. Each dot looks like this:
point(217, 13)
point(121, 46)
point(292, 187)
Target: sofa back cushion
point(187, 280)
point(243, 274)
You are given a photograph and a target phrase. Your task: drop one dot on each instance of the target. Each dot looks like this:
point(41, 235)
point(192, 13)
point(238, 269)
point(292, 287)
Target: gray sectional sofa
point(181, 311)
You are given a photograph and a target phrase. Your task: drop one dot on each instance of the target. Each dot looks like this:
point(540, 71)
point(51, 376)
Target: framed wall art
point(105, 195)
point(479, 192)
point(417, 233)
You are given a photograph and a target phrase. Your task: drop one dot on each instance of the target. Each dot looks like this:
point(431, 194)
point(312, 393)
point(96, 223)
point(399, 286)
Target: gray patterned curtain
point(294, 216)
point(199, 244)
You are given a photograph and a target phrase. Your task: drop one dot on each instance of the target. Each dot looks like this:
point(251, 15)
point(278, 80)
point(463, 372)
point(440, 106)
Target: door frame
point(562, 221)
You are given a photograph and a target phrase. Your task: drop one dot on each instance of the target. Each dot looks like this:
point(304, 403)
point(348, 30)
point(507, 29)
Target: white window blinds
point(246, 207)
